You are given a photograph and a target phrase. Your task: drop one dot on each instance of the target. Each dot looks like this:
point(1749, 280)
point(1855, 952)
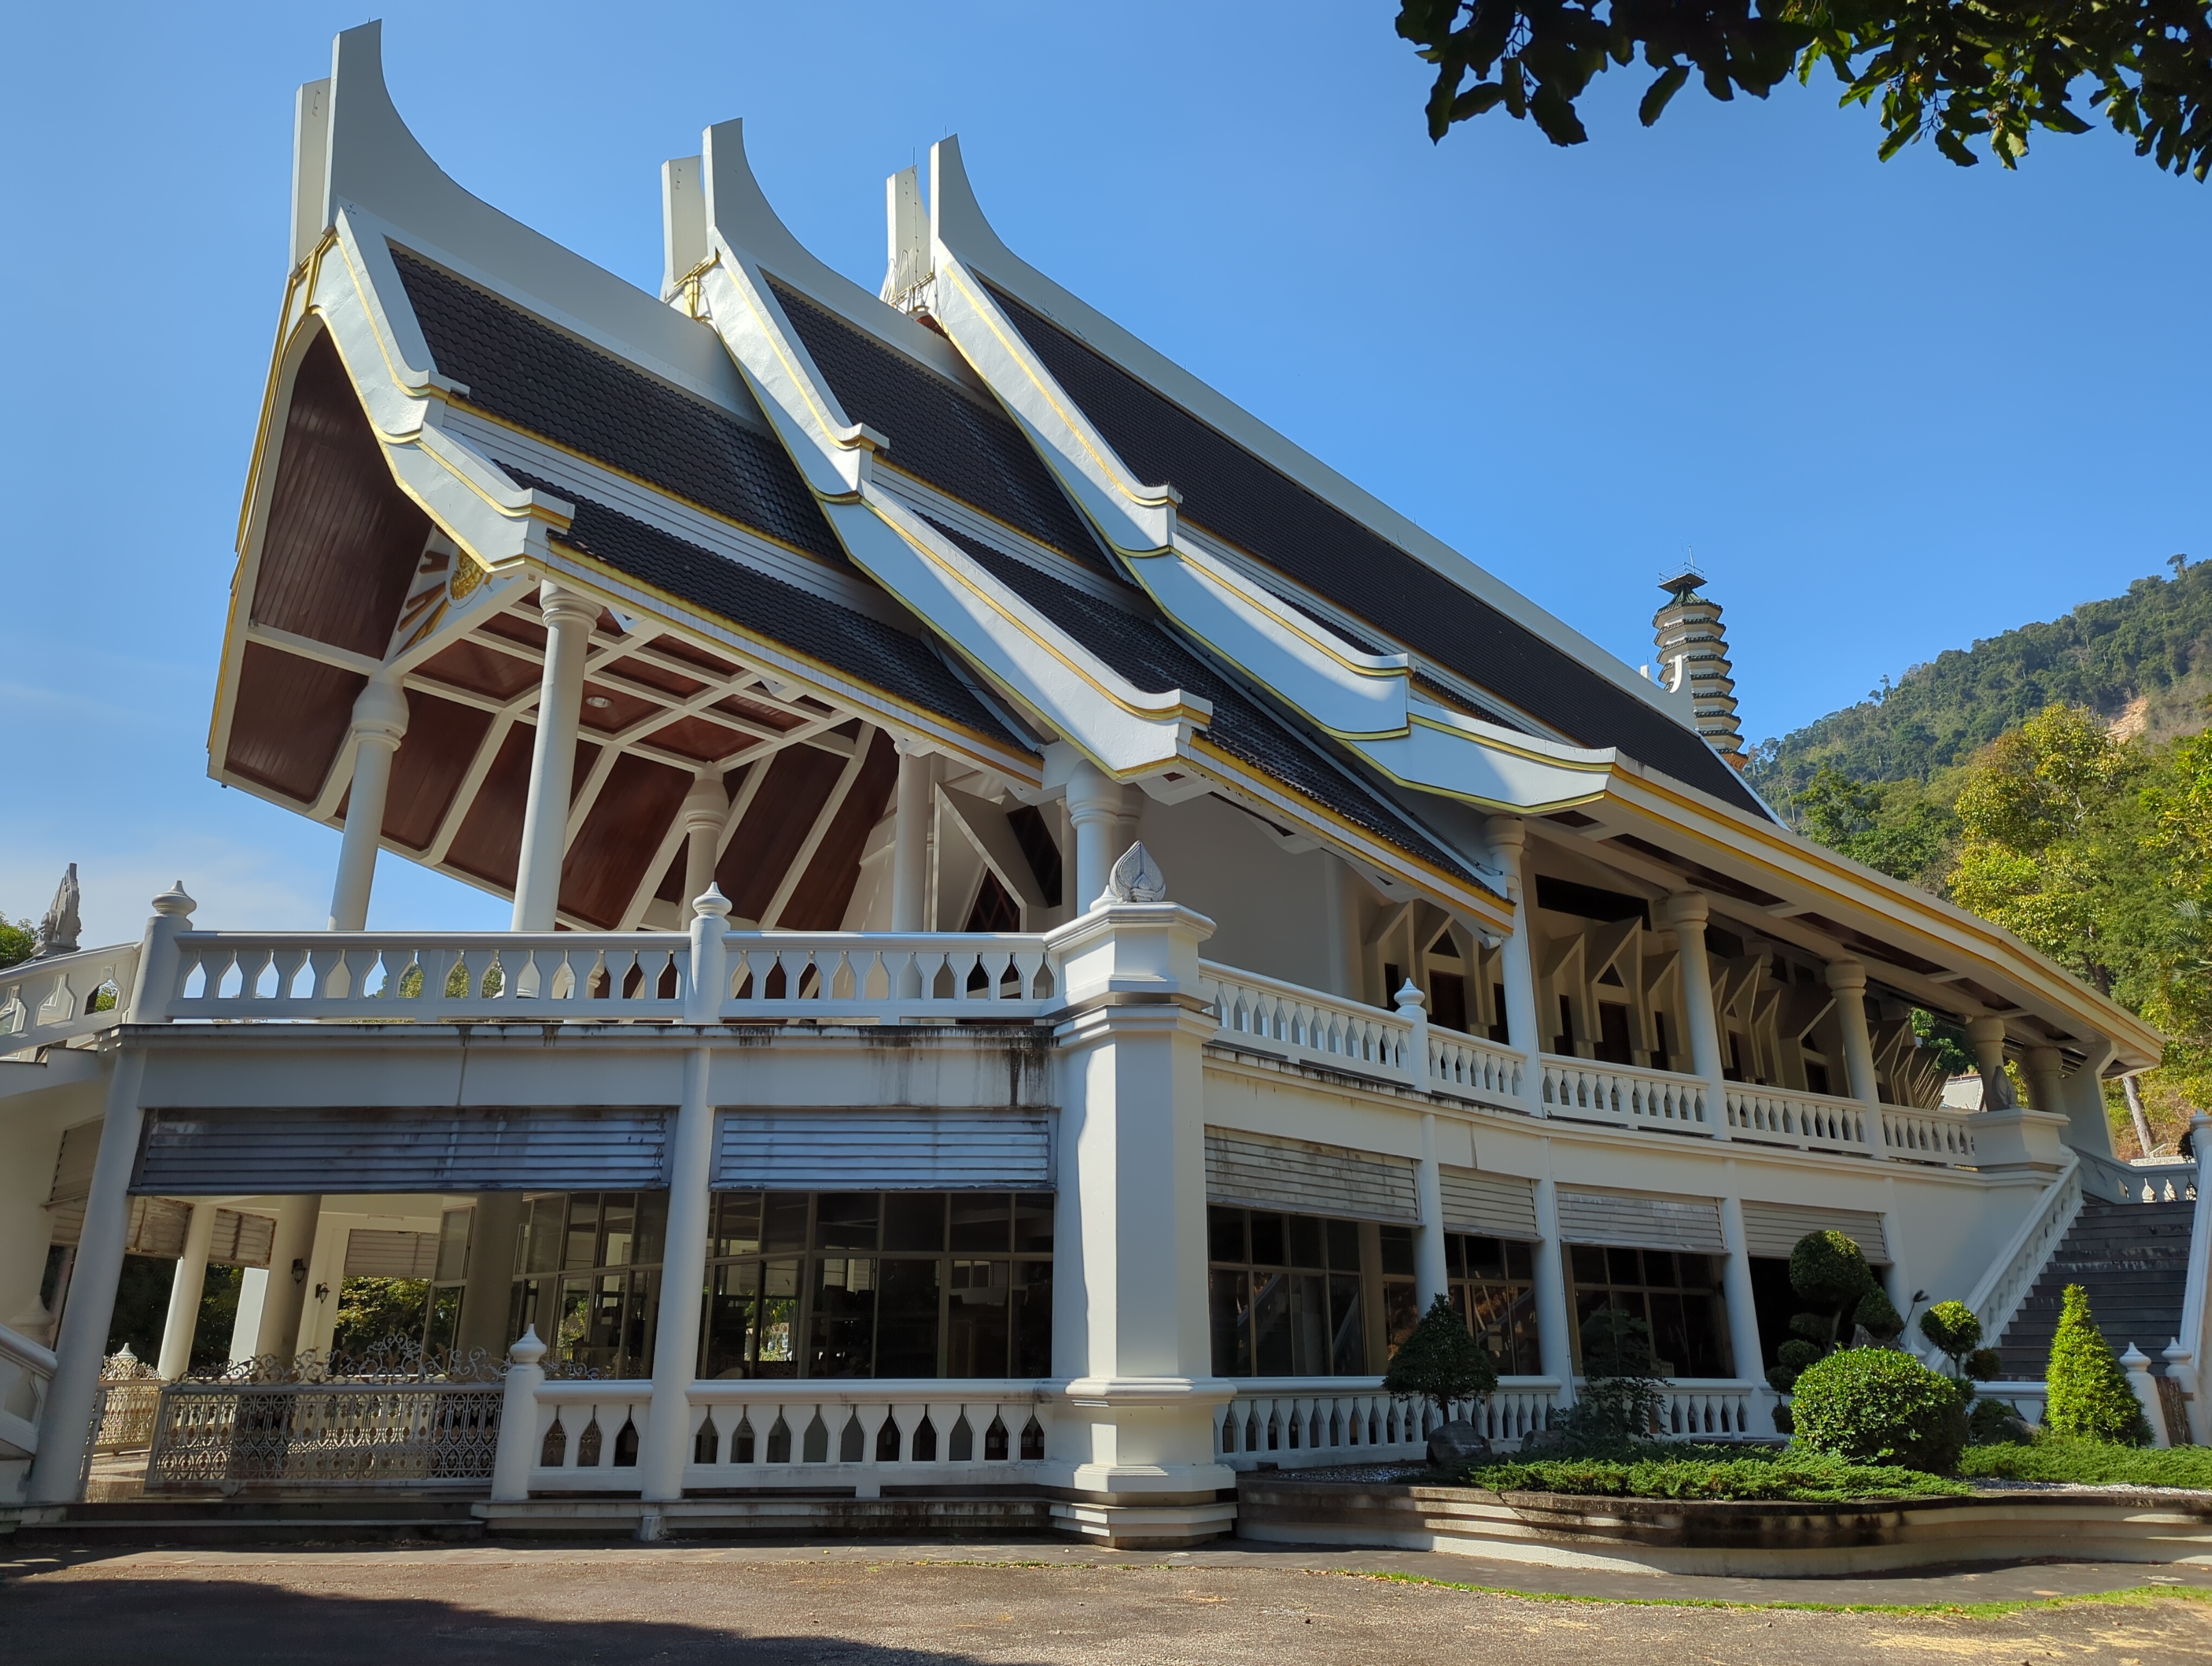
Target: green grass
point(1809, 1477)
point(2090, 1462)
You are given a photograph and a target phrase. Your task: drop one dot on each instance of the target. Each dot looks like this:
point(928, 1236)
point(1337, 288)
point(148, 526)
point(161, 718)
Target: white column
point(1093, 803)
point(1848, 979)
point(2081, 1097)
point(66, 1422)
point(185, 1292)
point(1432, 1271)
point(1508, 838)
point(666, 1447)
point(1987, 1034)
point(1135, 1445)
point(292, 1246)
point(1685, 912)
point(1340, 888)
point(704, 809)
point(379, 723)
point(1735, 1283)
point(569, 619)
point(2046, 1071)
point(1555, 1323)
point(910, 840)
point(494, 1224)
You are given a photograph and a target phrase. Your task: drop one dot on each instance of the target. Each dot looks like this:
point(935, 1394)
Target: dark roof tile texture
point(544, 379)
point(967, 449)
point(904, 667)
point(1143, 651)
point(1257, 507)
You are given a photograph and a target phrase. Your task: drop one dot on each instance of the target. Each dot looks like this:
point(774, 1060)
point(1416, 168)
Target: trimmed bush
point(1809, 1476)
point(1618, 1403)
point(1440, 1362)
point(1878, 1406)
point(1830, 1275)
point(1878, 1317)
point(1994, 1423)
point(2086, 1384)
point(2091, 1464)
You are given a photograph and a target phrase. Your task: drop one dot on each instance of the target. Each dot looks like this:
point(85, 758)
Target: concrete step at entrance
point(214, 1520)
point(2132, 1258)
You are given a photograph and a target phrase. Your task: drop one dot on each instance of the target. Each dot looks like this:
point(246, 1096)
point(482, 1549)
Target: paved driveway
point(890, 1605)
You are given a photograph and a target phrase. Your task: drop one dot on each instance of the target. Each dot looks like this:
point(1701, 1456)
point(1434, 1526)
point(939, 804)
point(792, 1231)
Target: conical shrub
point(2086, 1384)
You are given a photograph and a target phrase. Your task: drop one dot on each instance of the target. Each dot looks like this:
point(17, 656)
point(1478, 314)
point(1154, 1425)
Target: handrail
point(26, 1370)
point(45, 1002)
point(1628, 1095)
point(1809, 1122)
point(878, 976)
point(1997, 1296)
point(2187, 1361)
point(1309, 1025)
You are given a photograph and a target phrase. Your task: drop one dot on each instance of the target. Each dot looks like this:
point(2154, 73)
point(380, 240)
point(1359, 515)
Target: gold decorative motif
point(467, 578)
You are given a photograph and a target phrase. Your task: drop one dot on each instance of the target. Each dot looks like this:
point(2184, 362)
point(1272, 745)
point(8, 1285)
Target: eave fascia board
point(960, 227)
point(1837, 886)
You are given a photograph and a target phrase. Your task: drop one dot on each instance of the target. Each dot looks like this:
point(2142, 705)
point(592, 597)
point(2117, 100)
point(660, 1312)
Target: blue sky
point(1893, 407)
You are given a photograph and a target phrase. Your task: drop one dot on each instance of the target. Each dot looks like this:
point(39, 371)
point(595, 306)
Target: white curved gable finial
point(1135, 878)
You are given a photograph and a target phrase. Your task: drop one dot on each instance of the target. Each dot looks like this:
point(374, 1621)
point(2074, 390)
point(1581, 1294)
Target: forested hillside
point(2152, 645)
point(2056, 780)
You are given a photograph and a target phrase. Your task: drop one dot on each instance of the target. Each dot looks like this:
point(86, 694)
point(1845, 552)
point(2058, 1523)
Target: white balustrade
point(1809, 1122)
point(2024, 1397)
point(1692, 1408)
point(2013, 1272)
point(44, 1002)
point(1265, 1015)
point(1306, 1422)
point(430, 977)
point(25, 1369)
point(1466, 1067)
point(847, 977)
point(1935, 1135)
point(1627, 1097)
point(588, 1435)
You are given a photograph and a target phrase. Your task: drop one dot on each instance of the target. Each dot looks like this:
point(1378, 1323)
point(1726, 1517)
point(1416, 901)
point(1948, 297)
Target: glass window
point(602, 1307)
point(895, 1284)
point(1677, 1293)
point(1493, 1288)
point(1284, 1295)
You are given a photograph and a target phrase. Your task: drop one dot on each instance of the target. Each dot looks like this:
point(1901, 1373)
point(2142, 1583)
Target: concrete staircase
point(2132, 1258)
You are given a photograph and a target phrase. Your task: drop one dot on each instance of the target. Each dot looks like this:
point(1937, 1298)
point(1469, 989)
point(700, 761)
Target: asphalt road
point(905, 1605)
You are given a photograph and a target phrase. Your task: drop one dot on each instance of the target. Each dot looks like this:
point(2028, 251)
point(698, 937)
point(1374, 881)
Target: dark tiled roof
point(904, 667)
point(966, 448)
point(544, 379)
point(1257, 507)
point(1143, 650)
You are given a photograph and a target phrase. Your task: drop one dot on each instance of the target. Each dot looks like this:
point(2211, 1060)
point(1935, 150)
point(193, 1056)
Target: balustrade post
point(1509, 838)
point(518, 1421)
point(708, 986)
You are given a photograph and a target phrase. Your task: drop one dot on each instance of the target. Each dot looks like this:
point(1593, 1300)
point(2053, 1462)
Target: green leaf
point(1658, 96)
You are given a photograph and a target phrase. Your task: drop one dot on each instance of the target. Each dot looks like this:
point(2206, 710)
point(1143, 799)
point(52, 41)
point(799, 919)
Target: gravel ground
point(889, 1605)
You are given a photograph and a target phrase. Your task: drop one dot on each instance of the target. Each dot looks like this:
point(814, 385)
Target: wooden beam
point(838, 793)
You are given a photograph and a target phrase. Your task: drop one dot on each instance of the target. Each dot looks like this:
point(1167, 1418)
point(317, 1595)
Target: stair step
point(2133, 1260)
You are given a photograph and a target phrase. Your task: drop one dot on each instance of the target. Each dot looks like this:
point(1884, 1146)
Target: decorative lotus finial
point(57, 932)
point(1135, 878)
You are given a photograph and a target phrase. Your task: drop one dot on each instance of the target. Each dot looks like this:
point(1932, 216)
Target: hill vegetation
point(2054, 779)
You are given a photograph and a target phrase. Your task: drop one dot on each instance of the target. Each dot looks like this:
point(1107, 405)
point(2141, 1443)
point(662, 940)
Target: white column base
point(1144, 1527)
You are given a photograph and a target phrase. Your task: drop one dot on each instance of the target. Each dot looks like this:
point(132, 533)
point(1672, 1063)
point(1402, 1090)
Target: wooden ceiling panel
point(607, 858)
point(817, 903)
point(695, 737)
point(517, 629)
point(469, 664)
point(713, 664)
point(617, 711)
point(798, 783)
point(654, 676)
point(758, 711)
point(489, 843)
point(442, 738)
point(292, 717)
point(341, 539)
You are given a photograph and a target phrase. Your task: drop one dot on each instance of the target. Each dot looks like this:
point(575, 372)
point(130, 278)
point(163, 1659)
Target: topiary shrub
point(1841, 1294)
point(2086, 1387)
point(1994, 1423)
point(1880, 1405)
point(1440, 1362)
point(1618, 1405)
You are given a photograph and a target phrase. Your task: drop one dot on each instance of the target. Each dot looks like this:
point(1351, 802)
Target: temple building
point(1048, 926)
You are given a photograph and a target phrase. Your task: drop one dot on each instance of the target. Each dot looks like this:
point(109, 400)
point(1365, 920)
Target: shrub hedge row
point(2091, 1463)
point(1792, 1474)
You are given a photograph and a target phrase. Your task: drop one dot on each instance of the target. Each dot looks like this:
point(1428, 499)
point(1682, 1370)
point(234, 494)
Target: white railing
point(801, 1434)
point(1468, 1067)
point(1809, 1122)
point(2024, 1397)
point(2147, 1180)
point(43, 1002)
point(1306, 1422)
point(1997, 1296)
point(1697, 1408)
point(847, 977)
point(1627, 1096)
point(26, 1370)
point(430, 977)
point(1305, 1025)
point(1936, 1136)
point(339, 1435)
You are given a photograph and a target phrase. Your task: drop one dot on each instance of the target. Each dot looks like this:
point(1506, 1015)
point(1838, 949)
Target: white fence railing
point(26, 1370)
point(1938, 1135)
point(1307, 1026)
point(849, 977)
point(1305, 1422)
point(44, 1002)
point(1627, 1097)
point(1809, 1122)
point(2013, 1272)
point(2151, 1180)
